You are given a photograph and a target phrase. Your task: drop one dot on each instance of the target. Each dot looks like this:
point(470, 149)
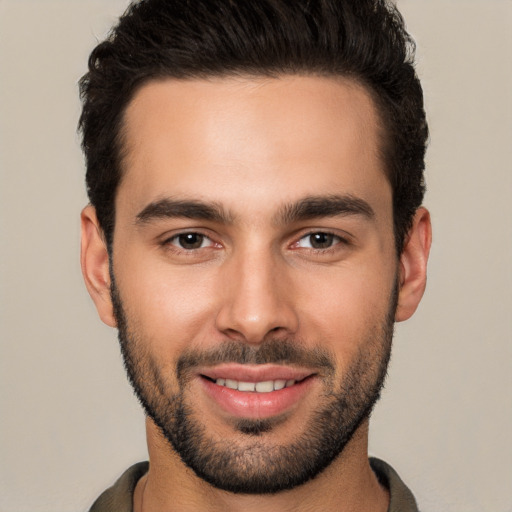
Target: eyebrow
point(324, 206)
point(307, 208)
point(169, 208)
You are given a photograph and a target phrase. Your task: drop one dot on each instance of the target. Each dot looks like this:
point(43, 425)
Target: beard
point(248, 463)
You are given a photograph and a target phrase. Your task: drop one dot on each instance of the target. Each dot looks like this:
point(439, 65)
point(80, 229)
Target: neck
point(348, 484)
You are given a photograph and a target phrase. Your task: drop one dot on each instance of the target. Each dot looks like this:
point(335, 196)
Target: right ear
point(95, 265)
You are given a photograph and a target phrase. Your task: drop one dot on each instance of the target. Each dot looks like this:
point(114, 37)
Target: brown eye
point(319, 240)
point(190, 241)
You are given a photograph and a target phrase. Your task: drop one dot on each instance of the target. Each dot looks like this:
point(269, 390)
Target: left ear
point(413, 265)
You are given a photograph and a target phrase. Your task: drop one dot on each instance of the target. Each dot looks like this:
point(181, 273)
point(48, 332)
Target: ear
point(95, 265)
point(413, 265)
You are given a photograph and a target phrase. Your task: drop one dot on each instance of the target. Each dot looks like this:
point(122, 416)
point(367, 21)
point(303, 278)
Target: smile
point(266, 386)
point(254, 391)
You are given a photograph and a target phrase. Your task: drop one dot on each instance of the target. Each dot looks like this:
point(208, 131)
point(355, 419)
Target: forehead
point(268, 138)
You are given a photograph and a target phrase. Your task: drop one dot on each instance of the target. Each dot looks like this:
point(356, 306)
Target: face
point(253, 271)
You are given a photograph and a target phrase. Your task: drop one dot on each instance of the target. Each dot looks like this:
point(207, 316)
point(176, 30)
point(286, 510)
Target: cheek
point(168, 307)
point(345, 308)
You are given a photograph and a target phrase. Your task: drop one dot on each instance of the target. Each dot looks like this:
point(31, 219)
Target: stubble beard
point(254, 466)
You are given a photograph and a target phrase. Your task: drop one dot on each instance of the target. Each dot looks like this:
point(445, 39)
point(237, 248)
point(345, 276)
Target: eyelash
point(175, 238)
point(335, 241)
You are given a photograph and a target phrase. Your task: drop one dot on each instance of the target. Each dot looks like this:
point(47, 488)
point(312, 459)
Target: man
point(255, 172)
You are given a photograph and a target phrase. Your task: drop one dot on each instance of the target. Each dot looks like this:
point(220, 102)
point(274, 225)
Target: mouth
point(256, 391)
point(265, 386)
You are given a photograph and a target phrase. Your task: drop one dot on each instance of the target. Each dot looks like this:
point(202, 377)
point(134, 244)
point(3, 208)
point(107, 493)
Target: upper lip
point(255, 373)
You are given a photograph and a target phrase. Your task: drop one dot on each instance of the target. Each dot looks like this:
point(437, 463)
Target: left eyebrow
point(312, 207)
point(169, 208)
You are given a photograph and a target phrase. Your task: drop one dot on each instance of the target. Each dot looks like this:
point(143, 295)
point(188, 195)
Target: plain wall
point(69, 422)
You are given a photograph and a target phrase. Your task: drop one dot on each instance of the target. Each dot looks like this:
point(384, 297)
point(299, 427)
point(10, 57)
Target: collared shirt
point(119, 497)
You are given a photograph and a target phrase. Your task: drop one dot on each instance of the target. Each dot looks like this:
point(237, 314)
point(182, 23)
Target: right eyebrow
point(168, 208)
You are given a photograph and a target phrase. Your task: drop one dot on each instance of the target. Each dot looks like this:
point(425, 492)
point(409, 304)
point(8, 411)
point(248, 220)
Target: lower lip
point(255, 405)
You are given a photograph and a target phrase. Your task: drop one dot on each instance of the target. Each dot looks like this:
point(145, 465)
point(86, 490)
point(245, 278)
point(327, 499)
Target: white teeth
point(246, 386)
point(279, 384)
point(266, 386)
point(232, 384)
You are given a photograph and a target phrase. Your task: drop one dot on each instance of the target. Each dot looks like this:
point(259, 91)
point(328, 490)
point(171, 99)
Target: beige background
point(69, 423)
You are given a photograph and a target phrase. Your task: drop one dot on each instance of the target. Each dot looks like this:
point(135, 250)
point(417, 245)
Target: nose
point(257, 299)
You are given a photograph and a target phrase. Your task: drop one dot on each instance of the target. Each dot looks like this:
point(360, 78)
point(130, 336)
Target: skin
point(254, 146)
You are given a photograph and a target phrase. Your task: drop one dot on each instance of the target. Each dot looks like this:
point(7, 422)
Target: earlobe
point(413, 265)
point(95, 265)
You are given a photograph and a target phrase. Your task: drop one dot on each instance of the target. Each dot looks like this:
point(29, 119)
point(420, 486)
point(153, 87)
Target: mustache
point(272, 351)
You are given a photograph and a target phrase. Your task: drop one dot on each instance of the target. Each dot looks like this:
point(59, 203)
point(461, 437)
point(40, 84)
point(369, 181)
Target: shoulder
point(401, 498)
point(119, 497)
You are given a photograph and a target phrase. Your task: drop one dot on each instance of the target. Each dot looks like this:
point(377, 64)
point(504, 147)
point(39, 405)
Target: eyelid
point(335, 241)
point(168, 239)
point(175, 241)
point(343, 238)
